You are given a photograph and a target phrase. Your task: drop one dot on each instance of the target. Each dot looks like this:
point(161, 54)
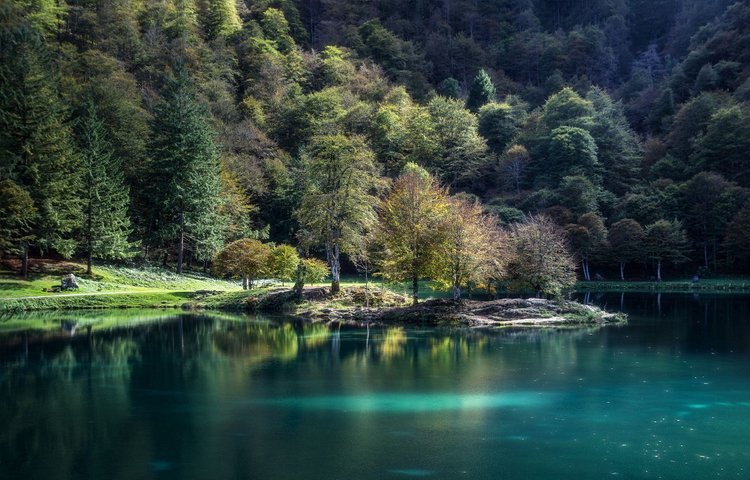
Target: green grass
point(719, 285)
point(109, 279)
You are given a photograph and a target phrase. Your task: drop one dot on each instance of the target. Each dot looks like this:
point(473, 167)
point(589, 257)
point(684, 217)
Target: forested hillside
point(163, 130)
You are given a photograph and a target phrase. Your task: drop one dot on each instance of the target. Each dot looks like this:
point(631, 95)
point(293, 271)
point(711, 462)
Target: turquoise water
point(200, 397)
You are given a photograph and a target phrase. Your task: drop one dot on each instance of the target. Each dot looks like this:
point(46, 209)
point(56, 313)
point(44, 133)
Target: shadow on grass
point(12, 286)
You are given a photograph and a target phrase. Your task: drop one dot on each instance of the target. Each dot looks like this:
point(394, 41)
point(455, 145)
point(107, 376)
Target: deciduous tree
point(284, 261)
point(411, 228)
point(540, 257)
point(338, 205)
point(625, 239)
point(588, 238)
point(665, 241)
point(245, 258)
point(473, 247)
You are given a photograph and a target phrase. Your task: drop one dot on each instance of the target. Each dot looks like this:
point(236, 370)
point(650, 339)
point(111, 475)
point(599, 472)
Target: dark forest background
point(124, 122)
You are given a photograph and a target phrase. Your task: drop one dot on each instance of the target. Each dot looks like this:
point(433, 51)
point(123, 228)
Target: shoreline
point(347, 308)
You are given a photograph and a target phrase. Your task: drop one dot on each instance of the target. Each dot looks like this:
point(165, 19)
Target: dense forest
point(164, 130)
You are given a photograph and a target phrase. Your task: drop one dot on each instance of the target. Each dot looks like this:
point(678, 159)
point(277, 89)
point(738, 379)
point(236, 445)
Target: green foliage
point(185, 185)
point(567, 108)
point(338, 205)
point(35, 137)
point(571, 151)
point(578, 194)
point(245, 258)
point(724, 147)
point(737, 241)
point(498, 124)
point(617, 148)
point(309, 270)
point(411, 228)
point(625, 239)
point(665, 241)
point(220, 18)
point(17, 213)
point(450, 88)
point(105, 220)
point(229, 154)
point(335, 67)
point(276, 29)
point(284, 261)
point(481, 91)
point(315, 270)
point(460, 150)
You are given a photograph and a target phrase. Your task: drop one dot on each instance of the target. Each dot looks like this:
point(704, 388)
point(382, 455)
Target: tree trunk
point(705, 253)
point(585, 265)
point(244, 282)
point(622, 271)
point(658, 270)
point(165, 260)
point(335, 261)
point(414, 290)
point(367, 294)
point(25, 260)
point(181, 244)
point(89, 242)
point(456, 293)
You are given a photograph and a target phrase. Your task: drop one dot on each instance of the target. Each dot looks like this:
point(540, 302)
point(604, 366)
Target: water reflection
point(191, 396)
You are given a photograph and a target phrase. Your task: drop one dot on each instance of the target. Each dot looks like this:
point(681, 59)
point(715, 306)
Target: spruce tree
point(481, 91)
point(220, 18)
point(35, 138)
point(105, 224)
point(184, 188)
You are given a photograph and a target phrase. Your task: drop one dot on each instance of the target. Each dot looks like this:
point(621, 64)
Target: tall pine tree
point(481, 91)
point(36, 145)
point(184, 188)
point(106, 224)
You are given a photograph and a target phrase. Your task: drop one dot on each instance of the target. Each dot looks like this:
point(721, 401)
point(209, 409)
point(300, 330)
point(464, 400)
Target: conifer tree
point(481, 91)
point(185, 174)
point(35, 138)
point(220, 18)
point(106, 224)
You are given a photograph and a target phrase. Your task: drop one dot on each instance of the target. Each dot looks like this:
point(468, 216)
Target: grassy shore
point(119, 287)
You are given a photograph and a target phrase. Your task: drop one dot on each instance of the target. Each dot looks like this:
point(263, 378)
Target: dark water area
point(204, 397)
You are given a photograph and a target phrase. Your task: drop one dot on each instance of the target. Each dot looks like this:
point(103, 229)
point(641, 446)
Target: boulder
point(69, 282)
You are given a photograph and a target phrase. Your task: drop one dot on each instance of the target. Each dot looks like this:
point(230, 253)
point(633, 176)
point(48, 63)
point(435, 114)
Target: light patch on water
point(404, 403)
point(161, 465)
point(413, 472)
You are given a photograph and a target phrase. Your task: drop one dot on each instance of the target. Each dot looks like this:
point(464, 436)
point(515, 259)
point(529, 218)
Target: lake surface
point(218, 397)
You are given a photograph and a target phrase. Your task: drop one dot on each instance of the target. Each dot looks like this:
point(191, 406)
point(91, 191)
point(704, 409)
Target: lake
point(162, 395)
